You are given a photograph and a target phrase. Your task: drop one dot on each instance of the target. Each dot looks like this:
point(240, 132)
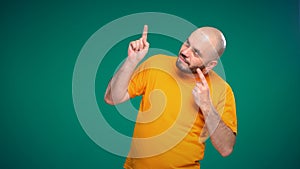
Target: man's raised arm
point(116, 91)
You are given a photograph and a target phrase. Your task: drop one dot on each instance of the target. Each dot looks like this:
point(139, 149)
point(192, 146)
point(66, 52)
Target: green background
point(40, 42)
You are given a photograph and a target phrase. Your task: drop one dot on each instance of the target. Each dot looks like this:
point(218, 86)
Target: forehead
point(204, 42)
point(200, 37)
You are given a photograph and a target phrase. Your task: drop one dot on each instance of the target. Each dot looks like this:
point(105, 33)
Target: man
point(184, 102)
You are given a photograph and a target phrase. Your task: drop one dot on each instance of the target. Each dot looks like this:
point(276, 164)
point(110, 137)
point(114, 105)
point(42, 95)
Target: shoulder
point(160, 58)
point(158, 61)
point(219, 82)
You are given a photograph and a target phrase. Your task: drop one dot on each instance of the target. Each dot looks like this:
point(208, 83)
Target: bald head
point(213, 38)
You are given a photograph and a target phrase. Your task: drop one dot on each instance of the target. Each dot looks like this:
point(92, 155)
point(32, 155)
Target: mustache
point(193, 69)
point(184, 57)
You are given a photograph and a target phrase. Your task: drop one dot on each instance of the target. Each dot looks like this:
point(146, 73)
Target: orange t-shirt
point(170, 130)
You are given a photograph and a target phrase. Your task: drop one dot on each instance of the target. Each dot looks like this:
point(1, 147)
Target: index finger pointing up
point(203, 80)
point(145, 32)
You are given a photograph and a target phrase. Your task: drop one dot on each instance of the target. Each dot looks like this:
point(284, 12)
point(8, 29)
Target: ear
point(210, 65)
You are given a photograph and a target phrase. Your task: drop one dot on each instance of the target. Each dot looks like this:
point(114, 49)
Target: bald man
point(184, 102)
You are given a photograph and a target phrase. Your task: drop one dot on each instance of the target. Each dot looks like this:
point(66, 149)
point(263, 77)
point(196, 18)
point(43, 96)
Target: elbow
point(226, 152)
point(108, 100)
point(115, 99)
point(107, 97)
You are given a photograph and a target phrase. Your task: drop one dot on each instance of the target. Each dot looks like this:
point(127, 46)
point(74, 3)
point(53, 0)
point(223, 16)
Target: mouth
point(182, 59)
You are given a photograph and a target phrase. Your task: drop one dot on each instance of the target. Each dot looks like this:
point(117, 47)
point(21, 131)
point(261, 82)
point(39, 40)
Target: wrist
point(132, 62)
point(208, 110)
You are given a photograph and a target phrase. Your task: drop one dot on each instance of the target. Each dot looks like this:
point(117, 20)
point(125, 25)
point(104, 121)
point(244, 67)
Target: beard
point(188, 69)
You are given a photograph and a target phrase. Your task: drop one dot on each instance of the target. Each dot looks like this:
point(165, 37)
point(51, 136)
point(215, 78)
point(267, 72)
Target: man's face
point(195, 52)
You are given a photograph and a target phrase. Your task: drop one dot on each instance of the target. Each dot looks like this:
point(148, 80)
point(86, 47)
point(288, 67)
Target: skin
point(116, 91)
point(197, 56)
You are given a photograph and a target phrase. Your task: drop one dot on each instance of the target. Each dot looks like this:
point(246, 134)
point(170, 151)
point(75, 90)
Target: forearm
point(116, 91)
point(222, 137)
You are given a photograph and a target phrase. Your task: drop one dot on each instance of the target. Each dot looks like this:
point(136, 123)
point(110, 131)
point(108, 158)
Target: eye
point(197, 52)
point(187, 43)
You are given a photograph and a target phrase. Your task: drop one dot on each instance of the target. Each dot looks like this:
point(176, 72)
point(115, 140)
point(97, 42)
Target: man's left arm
point(222, 137)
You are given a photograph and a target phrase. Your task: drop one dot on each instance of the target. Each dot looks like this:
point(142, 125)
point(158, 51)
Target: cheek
point(196, 62)
point(181, 49)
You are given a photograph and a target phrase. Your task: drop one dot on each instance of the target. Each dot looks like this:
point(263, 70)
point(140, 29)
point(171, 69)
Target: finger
point(137, 45)
point(141, 44)
point(130, 47)
point(133, 46)
point(145, 32)
point(196, 89)
point(146, 45)
point(199, 84)
point(203, 80)
point(194, 92)
point(199, 88)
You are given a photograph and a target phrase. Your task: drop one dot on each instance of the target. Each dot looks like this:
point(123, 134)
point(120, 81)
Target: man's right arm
point(117, 89)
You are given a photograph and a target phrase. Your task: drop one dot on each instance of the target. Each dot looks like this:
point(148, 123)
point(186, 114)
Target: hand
point(138, 49)
point(201, 93)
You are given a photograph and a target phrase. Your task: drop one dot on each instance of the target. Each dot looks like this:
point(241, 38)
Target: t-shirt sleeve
point(227, 109)
point(138, 81)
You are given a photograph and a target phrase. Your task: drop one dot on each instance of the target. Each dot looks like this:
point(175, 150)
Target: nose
point(187, 51)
